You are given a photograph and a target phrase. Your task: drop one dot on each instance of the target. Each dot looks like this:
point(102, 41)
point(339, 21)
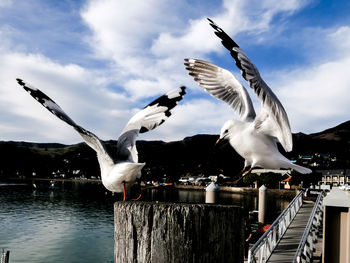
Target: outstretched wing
point(91, 139)
point(269, 100)
point(153, 115)
point(221, 84)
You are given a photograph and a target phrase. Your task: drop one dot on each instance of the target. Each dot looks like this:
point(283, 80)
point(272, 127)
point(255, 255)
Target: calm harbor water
point(75, 222)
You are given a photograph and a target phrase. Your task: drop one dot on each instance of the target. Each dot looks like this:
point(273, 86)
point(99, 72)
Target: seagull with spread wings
point(120, 174)
point(255, 136)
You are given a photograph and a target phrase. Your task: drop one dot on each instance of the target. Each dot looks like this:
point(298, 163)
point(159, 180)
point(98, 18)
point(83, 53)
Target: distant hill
point(337, 133)
point(196, 154)
point(37, 145)
point(335, 141)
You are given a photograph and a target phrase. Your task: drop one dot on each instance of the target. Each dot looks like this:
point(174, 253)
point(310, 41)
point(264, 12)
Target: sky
point(103, 60)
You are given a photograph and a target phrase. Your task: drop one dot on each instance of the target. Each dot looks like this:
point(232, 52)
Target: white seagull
point(254, 137)
point(120, 174)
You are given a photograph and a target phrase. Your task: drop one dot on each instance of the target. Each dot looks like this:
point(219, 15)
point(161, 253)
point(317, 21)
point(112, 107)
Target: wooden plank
point(285, 250)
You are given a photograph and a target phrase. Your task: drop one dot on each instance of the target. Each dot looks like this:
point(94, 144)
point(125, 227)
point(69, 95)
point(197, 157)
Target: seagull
point(254, 136)
point(120, 174)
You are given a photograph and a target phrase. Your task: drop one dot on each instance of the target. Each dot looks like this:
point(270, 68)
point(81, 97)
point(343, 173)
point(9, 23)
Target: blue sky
point(103, 60)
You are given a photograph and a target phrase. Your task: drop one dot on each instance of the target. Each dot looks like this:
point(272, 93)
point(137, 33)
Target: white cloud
point(237, 16)
point(341, 39)
point(148, 44)
point(144, 43)
point(148, 40)
point(5, 3)
point(198, 116)
point(123, 32)
point(315, 96)
point(121, 28)
point(78, 91)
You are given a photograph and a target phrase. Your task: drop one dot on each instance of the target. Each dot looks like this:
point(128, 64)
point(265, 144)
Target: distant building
point(287, 182)
point(335, 177)
point(318, 160)
point(305, 157)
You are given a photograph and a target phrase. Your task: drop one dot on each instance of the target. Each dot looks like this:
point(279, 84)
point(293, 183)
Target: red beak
point(218, 141)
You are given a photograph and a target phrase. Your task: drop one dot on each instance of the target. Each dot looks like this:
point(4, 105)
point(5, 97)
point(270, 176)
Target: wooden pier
point(293, 235)
point(285, 250)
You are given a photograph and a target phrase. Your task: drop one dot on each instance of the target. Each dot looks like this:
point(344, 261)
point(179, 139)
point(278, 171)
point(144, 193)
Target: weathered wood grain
point(168, 232)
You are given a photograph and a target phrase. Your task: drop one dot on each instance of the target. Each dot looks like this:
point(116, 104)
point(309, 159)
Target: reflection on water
point(75, 223)
point(55, 226)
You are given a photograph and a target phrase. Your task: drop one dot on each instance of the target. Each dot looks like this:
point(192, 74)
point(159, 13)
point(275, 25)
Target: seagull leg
point(244, 170)
point(243, 173)
point(124, 191)
point(140, 191)
point(247, 172)
point(136, 199)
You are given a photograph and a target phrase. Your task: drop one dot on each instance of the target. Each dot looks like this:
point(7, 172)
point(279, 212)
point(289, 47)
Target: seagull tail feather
point(300, 169)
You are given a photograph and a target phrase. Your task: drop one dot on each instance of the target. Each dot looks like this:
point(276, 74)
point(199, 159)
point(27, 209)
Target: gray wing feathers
point(269, 101)
point(265, 94)
point(95, 143)
point(126, 147)
point(221, 84)
point(91, 139)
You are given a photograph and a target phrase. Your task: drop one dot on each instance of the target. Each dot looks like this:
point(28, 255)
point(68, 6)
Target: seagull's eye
point(226, 131)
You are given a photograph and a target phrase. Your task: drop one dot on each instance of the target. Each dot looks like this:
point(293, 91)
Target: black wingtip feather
point(24, 86)
point(169, 103)
point(20, 82)
point(228, 43)
point(143, 130)
point(42, 98)
point(226, 40)
point(183, 90)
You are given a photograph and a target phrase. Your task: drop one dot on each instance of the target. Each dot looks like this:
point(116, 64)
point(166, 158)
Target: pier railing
point(309, 238)
point(262, 249)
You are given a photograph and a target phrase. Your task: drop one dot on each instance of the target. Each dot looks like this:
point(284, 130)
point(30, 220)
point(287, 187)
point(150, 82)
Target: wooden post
point(211, 193)
point(262, 204)
point(5, 256)
point(168, 232)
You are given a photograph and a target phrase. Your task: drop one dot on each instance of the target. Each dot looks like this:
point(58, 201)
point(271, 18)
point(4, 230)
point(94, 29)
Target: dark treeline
point(192, 155)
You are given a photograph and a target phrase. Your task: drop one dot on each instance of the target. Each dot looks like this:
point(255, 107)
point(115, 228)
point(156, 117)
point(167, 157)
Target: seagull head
point(226, 131)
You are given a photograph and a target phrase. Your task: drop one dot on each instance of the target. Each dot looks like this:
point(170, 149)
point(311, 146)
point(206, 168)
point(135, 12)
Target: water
point(75, 223)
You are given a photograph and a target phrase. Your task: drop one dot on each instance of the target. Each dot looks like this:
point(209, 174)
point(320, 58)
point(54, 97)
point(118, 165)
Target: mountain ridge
point(195, 154)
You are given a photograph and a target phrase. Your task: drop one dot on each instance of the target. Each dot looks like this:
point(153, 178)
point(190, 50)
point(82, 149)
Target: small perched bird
point(254, 137)
point(120, 174)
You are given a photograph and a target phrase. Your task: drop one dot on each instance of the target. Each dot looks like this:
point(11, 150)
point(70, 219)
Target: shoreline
point(281, 193)
point(53, 179)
